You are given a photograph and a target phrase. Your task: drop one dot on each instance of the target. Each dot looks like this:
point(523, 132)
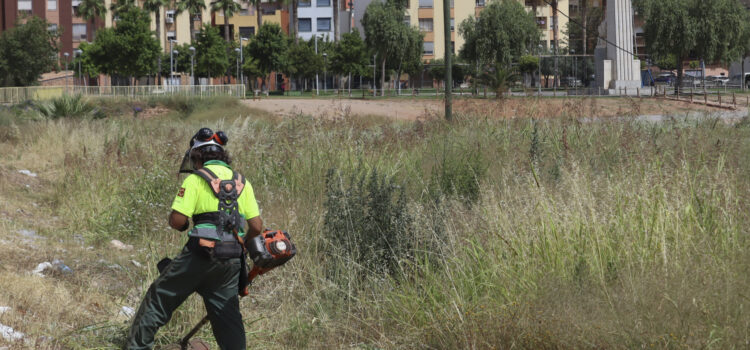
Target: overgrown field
point(481, 234)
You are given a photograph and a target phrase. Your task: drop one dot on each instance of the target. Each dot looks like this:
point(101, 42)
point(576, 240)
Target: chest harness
point(226, 220)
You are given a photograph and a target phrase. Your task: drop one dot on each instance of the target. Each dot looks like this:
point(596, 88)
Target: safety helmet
point(205, 140)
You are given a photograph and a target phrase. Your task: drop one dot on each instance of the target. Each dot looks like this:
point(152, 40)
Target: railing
point(20, 94)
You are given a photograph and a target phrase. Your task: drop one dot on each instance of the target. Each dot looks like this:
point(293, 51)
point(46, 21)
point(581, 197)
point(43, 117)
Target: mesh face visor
point(205, 137)
point(187, 165)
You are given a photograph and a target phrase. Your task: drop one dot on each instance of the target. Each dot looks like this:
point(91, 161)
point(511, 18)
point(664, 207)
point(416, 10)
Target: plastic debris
point(119, 245)
point(60, 266)
point(27, 172)
point(137, 264)
point(4, 309)
point(41, 267)
point(31, 234)
point(9, 333)
point(127, 311)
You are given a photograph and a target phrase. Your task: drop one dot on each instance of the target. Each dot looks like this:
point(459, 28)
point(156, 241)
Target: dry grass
point(597, 235)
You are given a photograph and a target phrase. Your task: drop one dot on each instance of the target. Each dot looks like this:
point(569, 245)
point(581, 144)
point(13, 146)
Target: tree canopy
point(384, 28)
point(349, 55)
point(211, 58)
point(504, 32)
point(129, 49)
point(26, 51)
point(268, 48)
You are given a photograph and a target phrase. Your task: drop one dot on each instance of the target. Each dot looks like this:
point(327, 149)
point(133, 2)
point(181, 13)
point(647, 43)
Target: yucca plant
point(67, 106)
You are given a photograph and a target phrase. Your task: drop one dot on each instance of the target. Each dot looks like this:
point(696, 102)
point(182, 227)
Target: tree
point(302, 61)
point(120, 6)
point(383, 25)
point(582, 30)
point(155, 7)
point(268, 47)
point(504, 32)
point(528, 64)
point(228, 8)
point(26, 51)
point(336, 29)
point(349, 56)
point(192, 7)
point(437, 70)
point(88, 67)
point(743, 49)
point(90, 10)
point(409, 51)
point(129, 49)
point(691, 27)
point(211, 56)
point(499, 78)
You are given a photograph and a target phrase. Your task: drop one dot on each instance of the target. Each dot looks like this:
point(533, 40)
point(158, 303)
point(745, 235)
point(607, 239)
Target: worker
point(212, 263)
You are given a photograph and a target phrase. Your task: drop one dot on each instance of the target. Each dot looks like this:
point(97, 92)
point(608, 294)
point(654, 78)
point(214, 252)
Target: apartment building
point(428, 16)
point(59, 13)
point(245, 23)
point(315, 18)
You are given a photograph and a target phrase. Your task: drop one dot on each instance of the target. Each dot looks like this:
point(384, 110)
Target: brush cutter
point(268, 250)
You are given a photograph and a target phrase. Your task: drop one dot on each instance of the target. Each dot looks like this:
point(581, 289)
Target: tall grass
point(528, 234)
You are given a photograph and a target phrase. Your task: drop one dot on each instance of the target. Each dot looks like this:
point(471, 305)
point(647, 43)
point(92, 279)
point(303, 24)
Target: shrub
point(67, 106)
point(458, 173)
point(366, 222)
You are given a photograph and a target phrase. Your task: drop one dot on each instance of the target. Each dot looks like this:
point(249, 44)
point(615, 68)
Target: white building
point(315, 19)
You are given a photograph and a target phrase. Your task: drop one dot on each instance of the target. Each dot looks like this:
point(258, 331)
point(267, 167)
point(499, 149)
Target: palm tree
point(90, 10)
point(228, 8)
point(336, 28)
point(192, 7)
point(257, 5)
point(155, 7)
point(121, 6)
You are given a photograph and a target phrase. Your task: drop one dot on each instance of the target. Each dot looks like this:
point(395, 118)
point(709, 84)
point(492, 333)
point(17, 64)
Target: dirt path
point(510, 108)
point(400, 109)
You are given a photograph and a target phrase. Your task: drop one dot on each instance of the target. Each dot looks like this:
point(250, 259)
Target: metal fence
point(20, 94)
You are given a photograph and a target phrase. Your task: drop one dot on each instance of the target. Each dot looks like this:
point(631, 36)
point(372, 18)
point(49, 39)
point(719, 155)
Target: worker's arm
point(254, 227)
point(178, 221)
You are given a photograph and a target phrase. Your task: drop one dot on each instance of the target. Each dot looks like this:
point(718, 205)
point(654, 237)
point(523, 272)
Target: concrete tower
point(616, 66)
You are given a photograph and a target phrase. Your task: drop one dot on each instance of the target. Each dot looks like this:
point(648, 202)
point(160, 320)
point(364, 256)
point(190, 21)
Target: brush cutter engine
point(268, 250)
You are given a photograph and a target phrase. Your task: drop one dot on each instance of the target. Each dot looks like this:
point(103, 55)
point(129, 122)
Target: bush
point(458, 173)
point(68, 106)
point(366, 221)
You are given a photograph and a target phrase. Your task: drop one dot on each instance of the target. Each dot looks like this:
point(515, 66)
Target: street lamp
point(374, 67)
point(192, 63)
point(539, 64)
point(325, 71)
point(78, 53)
point(242, 61)
point(575, 70)
point(171, 61)
point(66, 70)
point(237, 58)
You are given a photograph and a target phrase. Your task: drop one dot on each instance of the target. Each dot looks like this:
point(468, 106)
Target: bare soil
point(411, 109)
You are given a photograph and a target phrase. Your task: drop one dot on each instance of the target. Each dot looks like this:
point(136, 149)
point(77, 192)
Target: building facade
point(315, 19)
point(244, 24)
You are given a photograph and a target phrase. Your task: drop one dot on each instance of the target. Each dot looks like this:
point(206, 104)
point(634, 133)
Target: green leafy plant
point(67, 106)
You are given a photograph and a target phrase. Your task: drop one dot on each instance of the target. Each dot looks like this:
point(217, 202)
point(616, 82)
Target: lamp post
point(242, 61)
point(171, 61)
point(575, 68)
point(192, 64)
point(67, 55)
point(374, 72)
point(237, 59)
point(78, 53)
point(325, 73)
point(174, 53)
point(539, 66)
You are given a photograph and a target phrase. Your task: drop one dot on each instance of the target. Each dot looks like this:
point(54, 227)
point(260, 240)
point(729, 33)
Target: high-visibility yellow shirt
point(196, 197)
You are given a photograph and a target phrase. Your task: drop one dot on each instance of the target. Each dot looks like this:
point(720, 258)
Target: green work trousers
point(215, 281)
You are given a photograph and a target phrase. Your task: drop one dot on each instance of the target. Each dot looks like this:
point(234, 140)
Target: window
point(52, 28)
point(304, 3)
point(452, 3)
point(246, 32)
point(453, 24)
point(453, 47)
point(305, 25)
point(407, 20)
point(425, 3)
point(323, 3)
point(24, 5)
point(428, 48)
point(171, 35)
point(425, 24)
point(480, 3)
point(324, 24)
point(51, 5)
point(79, 31)
point(541, 22)
point(552, 22)
point(267, 10)
point(244, 11)
point(169, 16)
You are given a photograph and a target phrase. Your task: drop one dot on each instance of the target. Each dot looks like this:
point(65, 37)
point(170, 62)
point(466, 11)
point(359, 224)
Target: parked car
point(572, 82)
point(691, 81)
point(716, 80)
point(667, 78)
point(737, 81)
